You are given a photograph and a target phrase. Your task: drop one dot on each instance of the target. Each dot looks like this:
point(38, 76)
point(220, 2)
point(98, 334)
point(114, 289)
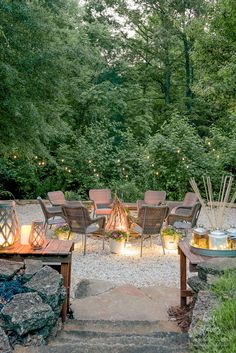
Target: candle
point(2, 240)
point(25, 233)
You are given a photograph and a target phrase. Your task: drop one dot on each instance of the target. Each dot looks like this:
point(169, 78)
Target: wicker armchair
point(185, 214)
point(50, 213)
point(152, 198)
point(102, 201)
point(149, 222)
point(57, 198)
point(79, 221)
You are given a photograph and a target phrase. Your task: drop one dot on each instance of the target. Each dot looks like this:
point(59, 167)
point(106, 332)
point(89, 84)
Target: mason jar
point(200, 238)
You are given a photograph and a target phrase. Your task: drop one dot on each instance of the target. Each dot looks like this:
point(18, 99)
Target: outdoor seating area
point(143, 219)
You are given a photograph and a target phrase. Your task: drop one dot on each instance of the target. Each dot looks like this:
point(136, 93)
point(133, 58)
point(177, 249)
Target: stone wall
point(208, 273)
point(31, 297)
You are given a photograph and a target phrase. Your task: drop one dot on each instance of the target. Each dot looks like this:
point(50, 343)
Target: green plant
point(220, 335)
point(117, 235)
point(170, 231)
point(62, 229)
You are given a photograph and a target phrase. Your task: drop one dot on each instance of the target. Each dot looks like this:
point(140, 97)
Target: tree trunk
point(188, 73)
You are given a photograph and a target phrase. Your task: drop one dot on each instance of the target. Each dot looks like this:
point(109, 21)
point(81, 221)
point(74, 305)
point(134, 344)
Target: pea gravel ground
point(153, 268)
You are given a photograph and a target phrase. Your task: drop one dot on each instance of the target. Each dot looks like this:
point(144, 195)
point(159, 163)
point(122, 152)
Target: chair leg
point(150, 241)
point(162, 244)
point(46, 226)
point(141, 250)
point(85, 241)
point(103, 239)
point(69, 235)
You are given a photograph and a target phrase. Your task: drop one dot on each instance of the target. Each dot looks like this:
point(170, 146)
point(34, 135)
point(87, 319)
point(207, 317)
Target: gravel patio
point(153, 268)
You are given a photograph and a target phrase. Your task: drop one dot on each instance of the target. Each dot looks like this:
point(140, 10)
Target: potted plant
point(117, 240)
point(62, 231)
point(171, 237)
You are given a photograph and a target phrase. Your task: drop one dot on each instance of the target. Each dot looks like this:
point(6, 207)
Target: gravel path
point(153, 268)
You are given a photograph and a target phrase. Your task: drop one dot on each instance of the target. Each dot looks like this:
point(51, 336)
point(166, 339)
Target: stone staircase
point(118, 319)
point(81, 336)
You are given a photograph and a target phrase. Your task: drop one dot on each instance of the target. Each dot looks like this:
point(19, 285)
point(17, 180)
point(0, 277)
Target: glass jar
point(200, 238)
point(218, 240)
point(231, 238)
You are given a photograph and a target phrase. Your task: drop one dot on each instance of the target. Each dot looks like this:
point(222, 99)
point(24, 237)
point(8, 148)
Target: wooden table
point(54, 253)
point(185, 253)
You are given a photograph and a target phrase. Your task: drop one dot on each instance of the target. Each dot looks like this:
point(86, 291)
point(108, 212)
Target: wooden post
point(65, 271)
point(183, 278)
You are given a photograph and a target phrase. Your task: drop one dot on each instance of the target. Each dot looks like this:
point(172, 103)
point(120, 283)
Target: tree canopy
point(112, 93)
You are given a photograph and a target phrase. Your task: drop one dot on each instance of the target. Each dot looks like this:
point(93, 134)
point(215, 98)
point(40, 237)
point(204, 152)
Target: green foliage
point(221, 335)
point(86, 103)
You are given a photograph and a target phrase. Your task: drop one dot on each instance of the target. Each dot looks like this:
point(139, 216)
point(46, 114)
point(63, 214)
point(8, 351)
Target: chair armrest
point(100, 220)
point(140, 203)
point(186, 210)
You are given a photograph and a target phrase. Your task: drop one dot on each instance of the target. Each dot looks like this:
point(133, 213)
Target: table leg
point(65, 271)
point(183, 278)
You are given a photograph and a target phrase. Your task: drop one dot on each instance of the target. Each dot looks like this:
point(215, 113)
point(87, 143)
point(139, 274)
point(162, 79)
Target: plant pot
point(170, 242)
point(117, 247)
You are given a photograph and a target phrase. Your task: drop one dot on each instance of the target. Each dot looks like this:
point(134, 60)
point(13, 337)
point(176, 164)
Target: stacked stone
point(208, 273)
point(29, 317)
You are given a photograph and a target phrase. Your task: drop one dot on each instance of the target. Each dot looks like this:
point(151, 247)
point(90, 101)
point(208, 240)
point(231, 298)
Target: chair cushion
point(92, 228)
point(103, 211)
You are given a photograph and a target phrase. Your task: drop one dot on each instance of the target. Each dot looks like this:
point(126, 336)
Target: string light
point(118, 160)
point(218, 156)
point(95, 170)
point(43, 163)
point(148, 157)
point(123, 169)
point(90, 161)
point(36, 157)
point(178, 150)
point(157, 173)
point(187, 166)
point(209, 143)
point(153, 164)
point(62, 160)
point(97, 175)
point(126, 176)
point(14, 156)
point(213, 150)
point(183, 159)
point(66, 168)
point(39, 163)
point(69, 170)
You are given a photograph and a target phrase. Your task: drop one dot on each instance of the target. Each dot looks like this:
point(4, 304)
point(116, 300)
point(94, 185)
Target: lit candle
point(2, 240)
point(25, 233)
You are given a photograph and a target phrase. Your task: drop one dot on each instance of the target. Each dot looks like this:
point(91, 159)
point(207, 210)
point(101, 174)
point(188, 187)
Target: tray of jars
point(217, 243)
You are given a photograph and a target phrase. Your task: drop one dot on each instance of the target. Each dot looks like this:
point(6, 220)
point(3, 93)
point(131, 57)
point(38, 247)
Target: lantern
point(25, 233)
point(9, 225)
point(37, 235)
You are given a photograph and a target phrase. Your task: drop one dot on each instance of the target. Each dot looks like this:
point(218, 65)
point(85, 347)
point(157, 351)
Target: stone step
point(120, 327)
point(156, 339)
point(103, 349)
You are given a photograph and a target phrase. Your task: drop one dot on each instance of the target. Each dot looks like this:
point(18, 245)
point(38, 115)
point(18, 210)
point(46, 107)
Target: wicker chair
point(149, 222)
point(102, 201)
point(188, 214)
point(57, 198)
point(50, 213)
point(79, 221)
point(152, 198)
